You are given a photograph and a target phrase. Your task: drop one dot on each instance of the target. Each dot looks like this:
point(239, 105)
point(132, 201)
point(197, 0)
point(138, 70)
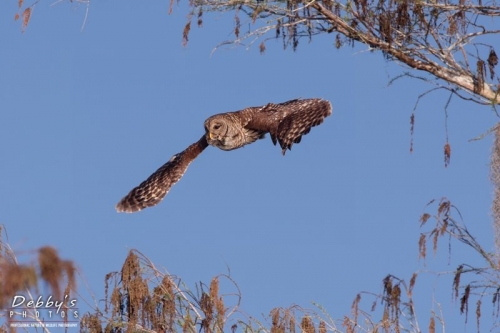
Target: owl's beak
point(211, 135)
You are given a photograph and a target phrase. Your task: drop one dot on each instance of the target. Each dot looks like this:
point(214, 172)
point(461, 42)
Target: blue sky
point(87, 115)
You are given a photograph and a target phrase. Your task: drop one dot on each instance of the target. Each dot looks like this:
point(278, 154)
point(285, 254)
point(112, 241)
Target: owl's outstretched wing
point(287, 122)
point(151, 191)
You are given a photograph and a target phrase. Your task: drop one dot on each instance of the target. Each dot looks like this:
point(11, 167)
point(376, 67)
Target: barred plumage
point(286, 122)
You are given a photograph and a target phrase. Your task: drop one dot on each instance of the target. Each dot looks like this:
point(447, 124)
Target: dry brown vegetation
point(26, 279)
point(448, 40)
point(470, 283)
point(142, 298)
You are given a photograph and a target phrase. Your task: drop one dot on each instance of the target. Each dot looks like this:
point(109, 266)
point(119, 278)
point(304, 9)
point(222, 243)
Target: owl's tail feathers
point(151, 191)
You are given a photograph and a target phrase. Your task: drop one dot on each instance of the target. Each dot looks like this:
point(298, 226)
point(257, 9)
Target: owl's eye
point(216, 126)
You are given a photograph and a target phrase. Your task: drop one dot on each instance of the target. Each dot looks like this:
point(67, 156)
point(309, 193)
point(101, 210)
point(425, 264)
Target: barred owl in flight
point(285, 122)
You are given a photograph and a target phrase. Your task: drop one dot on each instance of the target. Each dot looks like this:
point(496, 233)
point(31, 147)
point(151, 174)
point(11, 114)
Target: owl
point(285, 122)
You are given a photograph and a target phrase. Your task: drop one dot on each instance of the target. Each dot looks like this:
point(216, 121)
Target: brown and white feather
point(151, 191)
point(287, 122)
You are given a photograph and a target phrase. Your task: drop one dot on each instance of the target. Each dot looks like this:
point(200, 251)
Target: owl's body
point(285, 122)
point(232, 133)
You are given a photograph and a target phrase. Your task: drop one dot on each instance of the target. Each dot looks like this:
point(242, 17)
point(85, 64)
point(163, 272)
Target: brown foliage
point(432, 325)
point(396, 298)
point(355, 308)
point(185, 33)
point(424, 218)
point(422, 246)
point(163, 302)
point(447, 154)
point(412, 128)
point(348, 324)
point(322, 327)
point(480, 76)
point(456, 280)
point(26, 18)
point(442, 221)
point(237, 24)
point(283, 320)
point(171, 6)
point(26, 13)
point(441, 38)
point(478, 314)
point(464, 301)
point(52, 269)
point(492, 62)
point(200, 17)
point(206, 305)
point(262, 48)
point(24, 279)
point(391, 300)
point(144, 299)
point(140, 297)
point(15, 278)
point(218, 301)
point(91, 322)
point(412, 284)
point(447, 225)
point(307, 325)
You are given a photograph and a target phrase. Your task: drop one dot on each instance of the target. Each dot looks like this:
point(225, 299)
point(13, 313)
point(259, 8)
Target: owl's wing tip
point(127, 211)
point(123, 208)
point(120, 209)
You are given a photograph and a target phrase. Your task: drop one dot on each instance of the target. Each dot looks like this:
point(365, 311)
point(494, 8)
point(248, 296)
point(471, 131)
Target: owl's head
point(215, 128)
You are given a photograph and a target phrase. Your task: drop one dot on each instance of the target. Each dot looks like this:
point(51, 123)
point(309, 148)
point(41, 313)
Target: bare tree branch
point(445, 40)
